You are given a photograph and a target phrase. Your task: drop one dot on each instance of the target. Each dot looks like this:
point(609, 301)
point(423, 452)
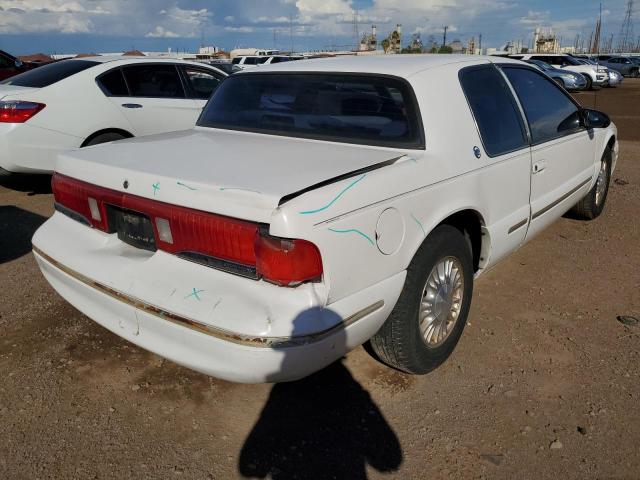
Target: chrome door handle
point(131, 105)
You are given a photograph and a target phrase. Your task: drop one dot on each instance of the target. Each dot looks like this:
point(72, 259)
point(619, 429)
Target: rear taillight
point(16, 111)
point(287, 262)
point(214, 240)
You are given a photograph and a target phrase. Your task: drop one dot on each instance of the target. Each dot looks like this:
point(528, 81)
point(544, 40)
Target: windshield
point(541, 64)
point(570, 60)
point(364, 109)
point(49, 74)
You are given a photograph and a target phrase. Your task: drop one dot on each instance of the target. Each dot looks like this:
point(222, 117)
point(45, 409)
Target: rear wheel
point(634, 73)
point(104, 138)
point(427, 321)
point(592, 204)
point(589, 82)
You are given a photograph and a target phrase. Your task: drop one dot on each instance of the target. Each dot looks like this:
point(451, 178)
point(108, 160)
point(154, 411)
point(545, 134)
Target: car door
point(562, 150)
point(157, 101)
point(200, 83)
point(503, 170)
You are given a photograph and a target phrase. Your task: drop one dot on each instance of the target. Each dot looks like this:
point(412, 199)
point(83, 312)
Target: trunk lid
point(238, 174)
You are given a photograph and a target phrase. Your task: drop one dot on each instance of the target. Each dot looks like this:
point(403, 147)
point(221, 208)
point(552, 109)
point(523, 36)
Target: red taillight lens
point(287, 262)
point(16, 111)
point(214, 240)
point(81, 198)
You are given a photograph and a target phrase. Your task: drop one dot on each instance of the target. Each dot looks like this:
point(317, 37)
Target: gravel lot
point(544, 383)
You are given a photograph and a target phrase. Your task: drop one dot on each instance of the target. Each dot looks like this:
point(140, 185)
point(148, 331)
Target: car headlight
point(569, 76)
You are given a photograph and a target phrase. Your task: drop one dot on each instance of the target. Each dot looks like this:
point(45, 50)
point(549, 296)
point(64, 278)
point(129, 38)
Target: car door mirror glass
point(595, 119)
point(18, 63)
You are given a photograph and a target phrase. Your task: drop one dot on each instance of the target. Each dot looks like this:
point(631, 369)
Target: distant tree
point(433, 50)
point(524, 50)
point(445, 49)
point(385, 45)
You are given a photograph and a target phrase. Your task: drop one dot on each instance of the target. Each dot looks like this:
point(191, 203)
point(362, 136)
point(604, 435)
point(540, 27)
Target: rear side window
point(494, 109)
point(550, 112)
point(155, 81)
point(113, 84)
point(236, 60)
point(363, 109)
point(49, 74)
point(202, 83)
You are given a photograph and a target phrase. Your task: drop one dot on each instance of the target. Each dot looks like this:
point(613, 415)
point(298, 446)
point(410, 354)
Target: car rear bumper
point(28, 149)
point(214, 333)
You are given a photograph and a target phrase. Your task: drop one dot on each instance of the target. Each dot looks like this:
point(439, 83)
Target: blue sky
point(66, 26)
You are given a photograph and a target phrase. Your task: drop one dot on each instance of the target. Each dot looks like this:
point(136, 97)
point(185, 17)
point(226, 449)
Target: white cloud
point(243, 29)
point(160, 32)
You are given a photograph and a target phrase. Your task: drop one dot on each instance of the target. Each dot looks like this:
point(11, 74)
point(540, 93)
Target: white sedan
point(86, 101)
point(321, 204)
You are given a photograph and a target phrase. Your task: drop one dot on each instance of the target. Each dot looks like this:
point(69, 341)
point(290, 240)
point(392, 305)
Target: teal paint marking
point(186, 186)
point(222, 189)
point(353, 230)
point(352, 184)
point(156, 187)
point(419, 224)
point(195, 294)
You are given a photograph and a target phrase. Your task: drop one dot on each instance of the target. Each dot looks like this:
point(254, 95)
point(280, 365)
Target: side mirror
point(594, 119)
point(18, 64)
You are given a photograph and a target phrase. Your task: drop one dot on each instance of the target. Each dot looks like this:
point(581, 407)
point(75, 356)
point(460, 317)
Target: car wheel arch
point(472, 224)
point(119, 131)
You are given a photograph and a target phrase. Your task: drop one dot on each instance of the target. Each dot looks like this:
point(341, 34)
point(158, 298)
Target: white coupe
point(86, 101)
point(321, 204)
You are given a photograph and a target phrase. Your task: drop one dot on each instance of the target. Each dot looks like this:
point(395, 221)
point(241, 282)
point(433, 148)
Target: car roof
point(396, 65)
point(135, 59)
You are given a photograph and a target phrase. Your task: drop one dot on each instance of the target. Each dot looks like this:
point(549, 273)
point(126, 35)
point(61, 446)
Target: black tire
point(559, 81)
point(399, 342)
point(589, 82)
point(104, 138)
point(634, 73)
point(588, 208)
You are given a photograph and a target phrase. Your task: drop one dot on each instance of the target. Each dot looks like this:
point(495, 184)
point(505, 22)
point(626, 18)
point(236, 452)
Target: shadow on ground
point(17, 227)
point(30, 184)
point(323, 426)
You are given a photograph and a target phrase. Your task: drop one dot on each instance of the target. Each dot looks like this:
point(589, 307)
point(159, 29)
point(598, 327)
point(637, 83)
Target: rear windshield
point(352, 108)
point(49, 74)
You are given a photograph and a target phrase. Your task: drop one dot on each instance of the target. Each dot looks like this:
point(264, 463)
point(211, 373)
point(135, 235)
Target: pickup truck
point(319, 205)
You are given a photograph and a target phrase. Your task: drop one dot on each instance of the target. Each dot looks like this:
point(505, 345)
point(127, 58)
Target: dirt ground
point(545, 382)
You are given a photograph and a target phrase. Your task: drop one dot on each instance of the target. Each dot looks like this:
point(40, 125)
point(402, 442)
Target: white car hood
point(239, 174)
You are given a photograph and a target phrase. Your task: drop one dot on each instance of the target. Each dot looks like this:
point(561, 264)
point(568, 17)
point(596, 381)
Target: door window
point(202, 83)
point(4, 63)
point(494, 110)
point(155, 81)
point(549, 111)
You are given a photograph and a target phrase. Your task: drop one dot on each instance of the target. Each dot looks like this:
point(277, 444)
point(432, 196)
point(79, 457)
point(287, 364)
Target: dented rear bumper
point(219, 324)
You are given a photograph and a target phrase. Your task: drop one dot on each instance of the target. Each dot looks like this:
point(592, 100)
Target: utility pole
point(626, 31)
point(444, 36)
point(480, 43)
point(291, 30)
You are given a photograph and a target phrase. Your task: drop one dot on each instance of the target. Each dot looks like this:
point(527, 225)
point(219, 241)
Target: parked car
point(615, 78)
point(564, 78)
point(11, 66)
point(245, 62)
point(82, 102)
point(622, 65)
point(596, 76)
point(225, 66)
point(320, 204)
